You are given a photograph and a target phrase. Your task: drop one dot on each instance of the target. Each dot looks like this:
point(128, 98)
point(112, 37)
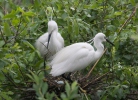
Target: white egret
point(77, 56)
point(51, 42)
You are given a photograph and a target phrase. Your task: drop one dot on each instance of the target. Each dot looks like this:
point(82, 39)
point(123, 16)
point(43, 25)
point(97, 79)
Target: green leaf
point(29, 45)
point(28, 13)
point(91, 6)
point(2, 43)
point(2, 63)
point(68, 89)
point(7, 30)
point(117, 13)
point(44, 88)
point(74, 85)
point(15, 22)
point(133, 2)
point(11, 15)
point(9, 55)
point(63, 96)
point(76, 27)
point(111, 28)
point(64, 15)
point(5, 96)
point(1, 15)
point(20, 9)
point(31, 57)
point(127, 57)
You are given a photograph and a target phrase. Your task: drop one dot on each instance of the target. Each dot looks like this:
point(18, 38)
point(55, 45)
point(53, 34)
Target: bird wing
point(41, 43)
point(61, 40)
point(65, 53)
point(72, 58)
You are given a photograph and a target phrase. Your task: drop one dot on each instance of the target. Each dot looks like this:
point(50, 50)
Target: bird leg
point(67, 78)
point(44, 67)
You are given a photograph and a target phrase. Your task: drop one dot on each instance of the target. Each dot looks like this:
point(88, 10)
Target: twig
point(95, 79)
point(18, 27)
point(94, 65)
point(54, 11)
point(23, 28)
point(86, 96)
point(62, 3)
point(129, 18)
point(19, 68)
point(15, 36)
point(9, 79)
point(4, 10)
point(82, 36)
point(2, 35)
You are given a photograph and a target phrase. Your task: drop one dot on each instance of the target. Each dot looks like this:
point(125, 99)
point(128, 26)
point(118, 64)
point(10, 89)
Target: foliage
point(71, 91)
point(124, 81)
point(23, 21)
point(41, 88)
point(128, 55)
point(5, 95)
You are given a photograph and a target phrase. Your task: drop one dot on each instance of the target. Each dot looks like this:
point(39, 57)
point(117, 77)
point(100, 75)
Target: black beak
point(109, 42)
point(49, 36)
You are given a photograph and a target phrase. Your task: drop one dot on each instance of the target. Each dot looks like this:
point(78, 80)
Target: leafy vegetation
point(21, 66)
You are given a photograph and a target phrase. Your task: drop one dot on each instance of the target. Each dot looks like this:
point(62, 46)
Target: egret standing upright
point(50, 43)
point(77, 56)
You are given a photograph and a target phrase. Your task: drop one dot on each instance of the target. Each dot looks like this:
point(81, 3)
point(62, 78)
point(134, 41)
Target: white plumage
point(77, 56)
point(56, 42)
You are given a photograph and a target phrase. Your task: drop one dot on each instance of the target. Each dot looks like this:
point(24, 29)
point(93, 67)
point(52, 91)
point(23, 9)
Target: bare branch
point(19, 68)
point(96, 79)
point(129, 18)
point(2, 35)
point(9, 79)
point(94, 65)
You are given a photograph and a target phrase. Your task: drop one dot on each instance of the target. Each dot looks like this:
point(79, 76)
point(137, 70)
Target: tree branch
point(129, 18)
point(19, 68)
point(9, 79)
point(96, 79)
point(2, 36)
point(94, 65)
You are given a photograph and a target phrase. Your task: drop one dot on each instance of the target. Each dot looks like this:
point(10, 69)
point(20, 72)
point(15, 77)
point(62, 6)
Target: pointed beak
point(109, 42)
point(49, 36)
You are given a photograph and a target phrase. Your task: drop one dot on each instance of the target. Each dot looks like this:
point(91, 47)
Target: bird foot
point(67, 78)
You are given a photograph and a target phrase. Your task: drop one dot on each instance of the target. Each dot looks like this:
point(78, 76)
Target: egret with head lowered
point(51, 42)
point(78, 56)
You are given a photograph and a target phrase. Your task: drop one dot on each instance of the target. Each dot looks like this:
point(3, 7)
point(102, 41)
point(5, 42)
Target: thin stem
point(45, 67)
point(95, 65)
point(15, 36)
point(53, 11)
point(96, 79)
point(19, 68)
point(18, 27)
point(2, 36)
point(9, 79)
point(129, 18)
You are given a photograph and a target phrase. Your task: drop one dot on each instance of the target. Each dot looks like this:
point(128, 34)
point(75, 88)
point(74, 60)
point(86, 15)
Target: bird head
point(102, 38)
point(52, 25)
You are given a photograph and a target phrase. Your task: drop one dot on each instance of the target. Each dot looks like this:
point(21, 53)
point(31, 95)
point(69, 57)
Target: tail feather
point(58, 69)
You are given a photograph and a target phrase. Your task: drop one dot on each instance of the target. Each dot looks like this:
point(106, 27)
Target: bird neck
point(53, 36)
point(53, 39)
point(99, 49)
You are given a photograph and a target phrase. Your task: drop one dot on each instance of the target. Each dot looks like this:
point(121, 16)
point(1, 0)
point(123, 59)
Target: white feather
point(56, 42)
point(69, 60)
point(77, 56)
